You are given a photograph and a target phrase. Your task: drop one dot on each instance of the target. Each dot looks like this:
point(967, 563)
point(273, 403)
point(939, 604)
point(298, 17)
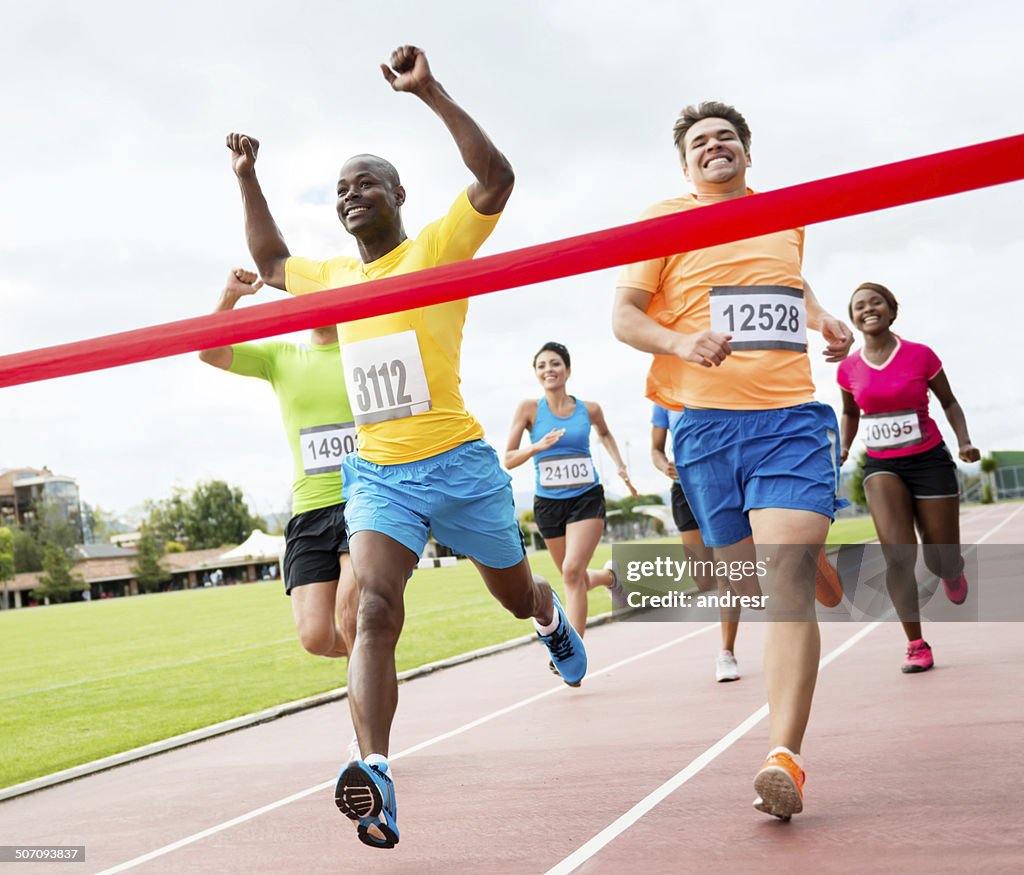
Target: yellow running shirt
point(402, 369)
point(751, 289)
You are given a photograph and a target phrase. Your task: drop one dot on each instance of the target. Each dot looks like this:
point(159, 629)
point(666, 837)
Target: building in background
point(25, 492)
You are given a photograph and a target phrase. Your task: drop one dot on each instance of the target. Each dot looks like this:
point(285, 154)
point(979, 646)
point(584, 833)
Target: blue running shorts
point(462, 495)
point(733, 461)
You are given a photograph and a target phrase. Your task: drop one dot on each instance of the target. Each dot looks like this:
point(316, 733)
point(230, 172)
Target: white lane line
point(616, 828)
point(610, 832)
point(995, 529)
point(466, 727)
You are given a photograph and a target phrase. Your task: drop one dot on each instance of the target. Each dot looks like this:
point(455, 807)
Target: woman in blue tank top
point(568, 503)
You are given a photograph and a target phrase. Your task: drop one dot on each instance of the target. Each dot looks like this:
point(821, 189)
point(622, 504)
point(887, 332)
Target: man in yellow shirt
point(421, 465)
point(756, 454)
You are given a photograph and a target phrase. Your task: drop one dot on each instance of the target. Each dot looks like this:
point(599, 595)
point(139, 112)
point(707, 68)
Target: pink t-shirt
point(893, 398)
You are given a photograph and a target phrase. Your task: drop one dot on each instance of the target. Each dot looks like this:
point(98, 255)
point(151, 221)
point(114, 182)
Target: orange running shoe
point(780, 786)
point(828, 588)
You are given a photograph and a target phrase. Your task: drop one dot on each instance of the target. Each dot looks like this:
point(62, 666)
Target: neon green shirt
point(317, 417)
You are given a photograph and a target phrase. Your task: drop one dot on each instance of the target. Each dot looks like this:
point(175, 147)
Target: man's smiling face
point(714, 155)
point(368, 198)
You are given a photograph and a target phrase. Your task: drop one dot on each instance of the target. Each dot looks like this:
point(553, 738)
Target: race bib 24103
point(562, 472)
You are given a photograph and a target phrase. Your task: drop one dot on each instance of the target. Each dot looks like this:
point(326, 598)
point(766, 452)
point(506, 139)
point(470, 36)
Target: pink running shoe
point(919, 657)
point(956, 590)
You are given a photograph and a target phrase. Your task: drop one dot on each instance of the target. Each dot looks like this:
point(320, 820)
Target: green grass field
point(87, 680)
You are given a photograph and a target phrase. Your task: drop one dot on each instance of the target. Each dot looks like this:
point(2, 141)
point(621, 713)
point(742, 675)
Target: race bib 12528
point(760, 317)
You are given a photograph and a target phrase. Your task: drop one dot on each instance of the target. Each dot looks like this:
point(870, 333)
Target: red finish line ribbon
point(849, 194)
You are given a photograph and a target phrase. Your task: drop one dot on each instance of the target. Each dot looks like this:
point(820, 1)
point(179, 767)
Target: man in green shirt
point(310, 388)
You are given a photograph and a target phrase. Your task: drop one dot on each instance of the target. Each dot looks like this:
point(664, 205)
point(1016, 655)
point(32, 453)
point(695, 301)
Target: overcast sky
point(119, 209)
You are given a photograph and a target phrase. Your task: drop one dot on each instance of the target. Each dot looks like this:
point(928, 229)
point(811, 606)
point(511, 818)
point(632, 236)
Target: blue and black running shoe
point(366, 795)
point(568, 655)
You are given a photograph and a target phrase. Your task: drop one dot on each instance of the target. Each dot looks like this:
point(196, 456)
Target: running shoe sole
point(777, 793)
point(916, 669)
point(558, 674)
point(359, 798)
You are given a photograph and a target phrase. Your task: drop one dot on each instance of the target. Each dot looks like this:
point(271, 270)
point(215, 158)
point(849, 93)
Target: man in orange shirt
point(756, 454)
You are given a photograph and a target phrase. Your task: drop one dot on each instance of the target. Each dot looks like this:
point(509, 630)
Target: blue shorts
point(462, 495)
point(733, 461)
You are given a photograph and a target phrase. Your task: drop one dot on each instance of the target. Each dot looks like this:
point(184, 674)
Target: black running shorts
point(931, 474)
point(552, 515)
point(681, 513)
point(313, 541)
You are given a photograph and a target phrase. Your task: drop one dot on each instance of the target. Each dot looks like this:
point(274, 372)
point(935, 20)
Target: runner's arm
point(239, 284)
point(599, 424)
point(492, 172)
point(266, 243)
point(836, 332)
point(659, 438)
point(849, 422)
point(634, 327)
point(939, 384)
point(523, 422)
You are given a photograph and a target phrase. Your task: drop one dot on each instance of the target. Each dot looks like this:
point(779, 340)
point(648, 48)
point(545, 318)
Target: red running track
point(915, 773)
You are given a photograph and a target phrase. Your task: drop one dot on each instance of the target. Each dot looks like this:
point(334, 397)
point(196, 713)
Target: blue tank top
point(566, 469)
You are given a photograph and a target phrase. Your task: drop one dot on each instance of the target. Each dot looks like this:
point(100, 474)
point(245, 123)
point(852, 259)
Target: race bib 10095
point(890, 431)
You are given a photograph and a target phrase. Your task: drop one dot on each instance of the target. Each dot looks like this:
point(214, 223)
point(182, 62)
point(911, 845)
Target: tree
point(219, 515)
point(58, 582)
point(98, 525)
point(857, 495)
point(6, 561)
point(627, 504)
point(148, 571)
point(989, 466)
point(167, 520)
point(28, 551)
point(212, 515)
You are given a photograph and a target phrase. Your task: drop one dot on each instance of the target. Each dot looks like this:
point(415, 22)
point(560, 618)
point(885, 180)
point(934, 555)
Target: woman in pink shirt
point(910, 478)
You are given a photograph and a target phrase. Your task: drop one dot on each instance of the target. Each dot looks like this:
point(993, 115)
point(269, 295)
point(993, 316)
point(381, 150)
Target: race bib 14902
point(760, 317)
point(324, 446)
point(385, 378)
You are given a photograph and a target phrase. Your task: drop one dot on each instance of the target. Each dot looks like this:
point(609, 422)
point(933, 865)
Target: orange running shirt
point(755, 290)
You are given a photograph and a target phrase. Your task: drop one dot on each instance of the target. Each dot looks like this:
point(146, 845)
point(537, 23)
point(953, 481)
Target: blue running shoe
point(567, 652)
point(366, 795)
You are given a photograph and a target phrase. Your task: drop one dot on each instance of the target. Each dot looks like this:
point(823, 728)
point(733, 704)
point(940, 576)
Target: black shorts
point(312, 542)
point(931, 474)
point(681, 513)
point(552, 515)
